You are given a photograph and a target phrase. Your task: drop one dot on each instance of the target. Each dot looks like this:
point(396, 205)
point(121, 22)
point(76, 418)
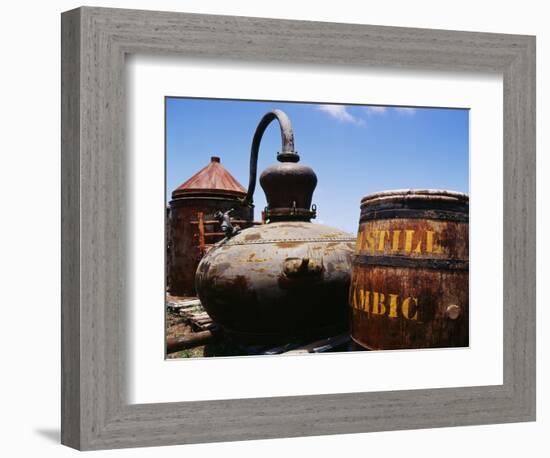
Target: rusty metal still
point(410, 271)
point(288, 278)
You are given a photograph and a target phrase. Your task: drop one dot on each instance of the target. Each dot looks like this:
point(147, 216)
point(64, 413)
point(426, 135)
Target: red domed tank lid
point(212, 180)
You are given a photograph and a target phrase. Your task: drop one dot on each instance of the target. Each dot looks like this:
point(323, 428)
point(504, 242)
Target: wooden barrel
point(409, 286)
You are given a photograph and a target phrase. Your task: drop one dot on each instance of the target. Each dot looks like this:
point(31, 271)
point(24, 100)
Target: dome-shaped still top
point(212, 179)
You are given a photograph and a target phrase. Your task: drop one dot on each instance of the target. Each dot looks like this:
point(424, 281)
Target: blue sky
point(354, 150)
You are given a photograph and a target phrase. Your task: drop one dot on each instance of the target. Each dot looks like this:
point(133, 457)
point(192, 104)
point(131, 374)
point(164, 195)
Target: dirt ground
point(177, 326)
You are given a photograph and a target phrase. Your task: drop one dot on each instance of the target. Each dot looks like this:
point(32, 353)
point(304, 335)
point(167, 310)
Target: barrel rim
point(434, 195)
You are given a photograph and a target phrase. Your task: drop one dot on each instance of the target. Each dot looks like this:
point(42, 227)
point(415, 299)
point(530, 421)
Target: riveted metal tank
point(286, 279)
point(209, 190)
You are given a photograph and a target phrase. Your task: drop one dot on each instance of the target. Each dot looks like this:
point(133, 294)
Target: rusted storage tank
point(168, 247)
point(211, 189)
point(287, 279)
point(409, 286)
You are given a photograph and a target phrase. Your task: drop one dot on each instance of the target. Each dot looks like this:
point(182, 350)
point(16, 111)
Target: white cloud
point(405, 110)
point(374, 110)
point(341, 113)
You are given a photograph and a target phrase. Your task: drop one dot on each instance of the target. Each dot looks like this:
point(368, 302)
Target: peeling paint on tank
point(251, 237)
point(288, 244)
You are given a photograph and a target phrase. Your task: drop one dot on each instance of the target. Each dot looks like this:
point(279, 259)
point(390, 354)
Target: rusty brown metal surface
point(184, 236)
point(409, 286)
point(278, 281)
point(185, 250)
point(211, 179)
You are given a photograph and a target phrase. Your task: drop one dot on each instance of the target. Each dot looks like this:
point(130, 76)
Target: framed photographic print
point(282, 284)
point(327, 230)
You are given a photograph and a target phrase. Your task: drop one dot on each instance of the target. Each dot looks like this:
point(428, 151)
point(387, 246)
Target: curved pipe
point(287, 153)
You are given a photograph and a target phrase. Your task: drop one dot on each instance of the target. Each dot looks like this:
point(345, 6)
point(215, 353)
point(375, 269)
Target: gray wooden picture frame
point(95, 413)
